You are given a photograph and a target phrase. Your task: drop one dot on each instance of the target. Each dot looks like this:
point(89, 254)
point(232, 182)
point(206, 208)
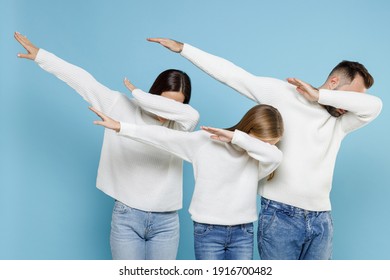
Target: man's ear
point(333, 82)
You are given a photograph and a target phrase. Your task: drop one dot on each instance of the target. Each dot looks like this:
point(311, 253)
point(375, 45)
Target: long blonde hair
point(262, 121)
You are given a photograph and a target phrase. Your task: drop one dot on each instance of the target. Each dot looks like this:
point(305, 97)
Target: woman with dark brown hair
point(226, 171)
point(145, 222)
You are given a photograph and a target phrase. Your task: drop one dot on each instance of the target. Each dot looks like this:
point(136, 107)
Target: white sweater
point(138, 175)
point(226, 175)
point(312, 136)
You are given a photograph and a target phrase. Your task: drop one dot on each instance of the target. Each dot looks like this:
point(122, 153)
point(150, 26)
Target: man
point(295, 218)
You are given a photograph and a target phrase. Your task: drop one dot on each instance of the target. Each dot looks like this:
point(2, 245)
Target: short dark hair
point(172, 80)
point(350, 69)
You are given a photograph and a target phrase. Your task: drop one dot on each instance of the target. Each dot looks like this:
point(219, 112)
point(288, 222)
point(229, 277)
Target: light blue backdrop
point(49, 206)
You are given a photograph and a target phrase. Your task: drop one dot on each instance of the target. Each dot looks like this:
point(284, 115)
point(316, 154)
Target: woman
point(226, 171)
point(145, 222)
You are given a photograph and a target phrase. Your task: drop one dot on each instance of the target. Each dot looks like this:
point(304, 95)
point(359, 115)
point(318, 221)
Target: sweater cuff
point(186, 50)
point(238, 136)
point(325, 96)
point(41, 55)
point(126, 129)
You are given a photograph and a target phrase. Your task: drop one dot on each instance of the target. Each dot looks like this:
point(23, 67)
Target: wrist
point(317, 94)
point(181, 46)
point(117, 127)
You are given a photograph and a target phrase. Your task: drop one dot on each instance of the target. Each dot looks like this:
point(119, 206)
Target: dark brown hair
point(172, 80)
point(350, 69)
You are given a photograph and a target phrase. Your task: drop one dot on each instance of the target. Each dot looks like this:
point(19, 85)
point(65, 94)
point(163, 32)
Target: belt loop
point(267, 203)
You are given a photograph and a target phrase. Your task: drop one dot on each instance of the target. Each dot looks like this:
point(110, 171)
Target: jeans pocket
point(265, 220)
point(201, 229)
point(120, 208)
point(248, 229)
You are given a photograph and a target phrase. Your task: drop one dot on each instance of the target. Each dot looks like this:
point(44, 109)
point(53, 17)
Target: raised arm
point(269, 156)
point(259, 89)
point(361, 108)
point(179, 143)
point(84, 83)
point(185, 117)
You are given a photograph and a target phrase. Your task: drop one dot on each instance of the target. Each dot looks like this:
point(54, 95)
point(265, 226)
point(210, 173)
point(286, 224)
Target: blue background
point(49, 206)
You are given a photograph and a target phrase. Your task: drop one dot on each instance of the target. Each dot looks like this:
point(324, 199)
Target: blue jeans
point(140, 235)
point(286, 232)
point(215, 242)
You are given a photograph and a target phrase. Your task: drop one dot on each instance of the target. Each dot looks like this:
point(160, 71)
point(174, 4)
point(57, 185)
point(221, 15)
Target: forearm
point(179, 143)
point(259, 89)
point(80, 80)
point(268, 155)
point(362, 107)
point(183, 114)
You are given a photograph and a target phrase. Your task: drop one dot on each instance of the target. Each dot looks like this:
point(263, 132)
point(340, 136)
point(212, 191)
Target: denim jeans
point(286, 232)
point(140, 235)
point(215, 242)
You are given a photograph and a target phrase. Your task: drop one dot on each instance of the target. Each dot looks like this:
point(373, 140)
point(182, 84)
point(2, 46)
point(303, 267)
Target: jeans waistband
point(288, 208)
point(243, 226)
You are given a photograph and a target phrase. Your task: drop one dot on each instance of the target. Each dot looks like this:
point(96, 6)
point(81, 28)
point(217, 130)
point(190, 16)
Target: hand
point(222, 135)
point(30, 48)
point(107, 122)
point(129, 85)
point(308, 91)
point(172, 45)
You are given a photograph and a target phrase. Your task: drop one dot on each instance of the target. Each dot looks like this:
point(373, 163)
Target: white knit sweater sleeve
point(362, 107)
point(269, 156)
point(185, 117)
point(96, 94)
point(182, 144)
point(259, 89)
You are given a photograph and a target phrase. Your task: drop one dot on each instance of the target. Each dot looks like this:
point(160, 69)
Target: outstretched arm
point(269, 156)
point(179, 143)
point(361, 108)
point(259, 89)
point(84, 83)
point(185, 117)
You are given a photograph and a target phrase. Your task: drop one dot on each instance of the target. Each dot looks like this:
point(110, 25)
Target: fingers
point(22, 55)
point(128, 84)
point(19, 37)
point(98, 123)
point(210, 129)
point(100, 114)
point(162, 41)
point(22, 40)
point(155, 40)
point(294, 81)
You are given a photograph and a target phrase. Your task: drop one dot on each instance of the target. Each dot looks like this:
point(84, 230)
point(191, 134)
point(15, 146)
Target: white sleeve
point(258, 89)
point(185, 117)
point(182, 144)
point(96, 94)
point(269, 156)
point(362, 107)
